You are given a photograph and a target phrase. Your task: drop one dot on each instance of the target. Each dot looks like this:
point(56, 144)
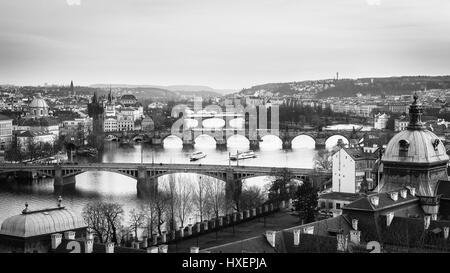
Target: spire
point(415, 115)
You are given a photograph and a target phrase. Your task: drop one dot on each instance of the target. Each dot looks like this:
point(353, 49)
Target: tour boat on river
point(243, 155)
point(197, 156)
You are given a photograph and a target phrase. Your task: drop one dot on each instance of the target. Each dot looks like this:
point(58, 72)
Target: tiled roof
point(96, 248)
point(385, 201)
point(3, 117)
point(443, 188)
point(344, 196)
point(359, 154)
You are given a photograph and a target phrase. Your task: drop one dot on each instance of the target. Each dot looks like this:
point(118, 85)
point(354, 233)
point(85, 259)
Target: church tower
point(72, 90)
point(95, 111)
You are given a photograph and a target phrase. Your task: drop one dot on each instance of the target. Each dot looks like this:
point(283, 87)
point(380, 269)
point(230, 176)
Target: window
point(330, 205)
point(403, 148)
point(322, 205)
point(338, 205)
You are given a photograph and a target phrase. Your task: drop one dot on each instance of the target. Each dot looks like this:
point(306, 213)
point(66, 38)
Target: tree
point(281, 187)
point(184, 201)
point(171, 191)
point(105, 219)
point(215, 192)
point(306, 202)
point(251, 197)
point(323, 160)
point(137, 221)
point(200, 197)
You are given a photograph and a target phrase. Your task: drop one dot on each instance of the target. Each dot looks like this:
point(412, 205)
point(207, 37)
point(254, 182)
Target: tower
point(72, 90)
point(95, 110)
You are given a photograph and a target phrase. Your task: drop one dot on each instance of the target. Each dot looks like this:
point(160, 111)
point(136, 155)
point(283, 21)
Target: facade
point(39, 138)
point(6, 128)
point(128, 100)
point(380, 121)
point(401, 124)
point(76, 130)
point(125, 122)
point(350, 167)
point(47, 124)
point(110, 124)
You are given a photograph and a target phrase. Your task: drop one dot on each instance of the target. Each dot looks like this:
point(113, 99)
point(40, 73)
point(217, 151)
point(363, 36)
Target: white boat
point(243, 155)
point(197, 156)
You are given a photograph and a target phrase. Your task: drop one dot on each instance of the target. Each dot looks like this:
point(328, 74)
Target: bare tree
point(215, 192)
point(323, 160)
point(105, 219)
point(251, 197)
point(200, 197)
point(137, 221)
point(171, 190)
point(184, 201)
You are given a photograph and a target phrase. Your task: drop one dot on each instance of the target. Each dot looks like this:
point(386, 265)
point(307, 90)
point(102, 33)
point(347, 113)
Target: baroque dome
point(415, 146)
point(38, 102)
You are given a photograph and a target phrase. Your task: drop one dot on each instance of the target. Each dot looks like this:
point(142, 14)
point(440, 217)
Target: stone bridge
point(147, 174)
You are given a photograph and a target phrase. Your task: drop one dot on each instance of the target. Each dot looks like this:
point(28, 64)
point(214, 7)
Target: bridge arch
point(238, 141)
point(111, 137)
point(172, 141)
point(205, 140)
point(271, 142)
point(303, 141)
point(332, 141)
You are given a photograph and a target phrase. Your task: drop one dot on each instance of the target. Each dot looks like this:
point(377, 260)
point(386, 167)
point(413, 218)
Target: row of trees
point(179, 200)
point(32, 150)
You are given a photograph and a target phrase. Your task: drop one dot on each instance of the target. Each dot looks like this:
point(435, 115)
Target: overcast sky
point(220, 43)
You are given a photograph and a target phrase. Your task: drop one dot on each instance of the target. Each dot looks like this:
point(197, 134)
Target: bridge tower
point(95, 110)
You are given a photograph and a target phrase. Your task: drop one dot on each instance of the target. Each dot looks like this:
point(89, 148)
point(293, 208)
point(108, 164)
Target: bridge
point(222, 135)
point(147, 174)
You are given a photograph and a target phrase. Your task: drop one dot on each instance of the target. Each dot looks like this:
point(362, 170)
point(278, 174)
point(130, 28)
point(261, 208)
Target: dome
point(38, 102)
point(41, 222)
point(415, 146)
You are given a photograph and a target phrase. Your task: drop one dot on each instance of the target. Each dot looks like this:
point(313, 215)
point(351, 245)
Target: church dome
point(415, 144)
point(38, 102)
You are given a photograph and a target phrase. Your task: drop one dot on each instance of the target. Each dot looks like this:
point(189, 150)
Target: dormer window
point(436, 143)
point(403, 148)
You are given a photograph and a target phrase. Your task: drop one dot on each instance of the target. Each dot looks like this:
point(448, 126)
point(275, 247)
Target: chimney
point(412, 191)
point(374, 200)
point(189, 230)
point(270, 236)
point(394, 195)
point(152, 249)
point(355, 224)
point(164, 237)
point(434, 216)
point(446, 230)
point(56, 240)
point(69, 235)
point(355, 236)
point(163, 248)
point(135, 245)
point(308, 230)
point(426, 220)
point(144, 241)
point(109, 247)
point(296, 237)
point(89, 235)
point(195, 249)
point(389, 218)
point(342, 241)
point(404, 193)
point(88, 246)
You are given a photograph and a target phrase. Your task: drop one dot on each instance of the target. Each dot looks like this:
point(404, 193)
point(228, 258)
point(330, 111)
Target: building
point(350, 167)
point(6, 128)
point(30, 231)
point(76, 130)
point(147, 124)
point(40, 124)
point(401, 124)
point(38, 107)
point(38, 138)
point(110, 124)
point(125, 122)
point(128, 100)
point(380, 121)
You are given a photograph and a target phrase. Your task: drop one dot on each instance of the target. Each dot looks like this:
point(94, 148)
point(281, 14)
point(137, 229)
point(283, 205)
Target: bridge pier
point(233, 187)
point(188, 143)
point(254, 144)
point(221, 143)
point(287, 144)
point(320, 143)
point(59, 179)
point(146, 186)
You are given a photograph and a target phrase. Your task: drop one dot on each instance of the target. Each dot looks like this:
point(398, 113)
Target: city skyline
point(224, 45)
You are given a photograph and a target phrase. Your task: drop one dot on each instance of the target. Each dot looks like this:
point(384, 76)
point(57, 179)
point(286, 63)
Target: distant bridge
point(147, 174)
point(222, 135)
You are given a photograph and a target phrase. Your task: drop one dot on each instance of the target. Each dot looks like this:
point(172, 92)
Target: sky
point(225, 44)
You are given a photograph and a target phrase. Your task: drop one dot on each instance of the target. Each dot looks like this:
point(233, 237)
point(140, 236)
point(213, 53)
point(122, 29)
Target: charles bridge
point(221, 136)
point(147, 174)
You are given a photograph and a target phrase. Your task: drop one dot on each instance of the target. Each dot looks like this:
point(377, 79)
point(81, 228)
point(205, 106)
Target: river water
point(114, 187)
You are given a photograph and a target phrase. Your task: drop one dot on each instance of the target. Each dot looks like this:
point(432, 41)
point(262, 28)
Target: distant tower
point(337, 76)
point(72, 90)
point(95, 110)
